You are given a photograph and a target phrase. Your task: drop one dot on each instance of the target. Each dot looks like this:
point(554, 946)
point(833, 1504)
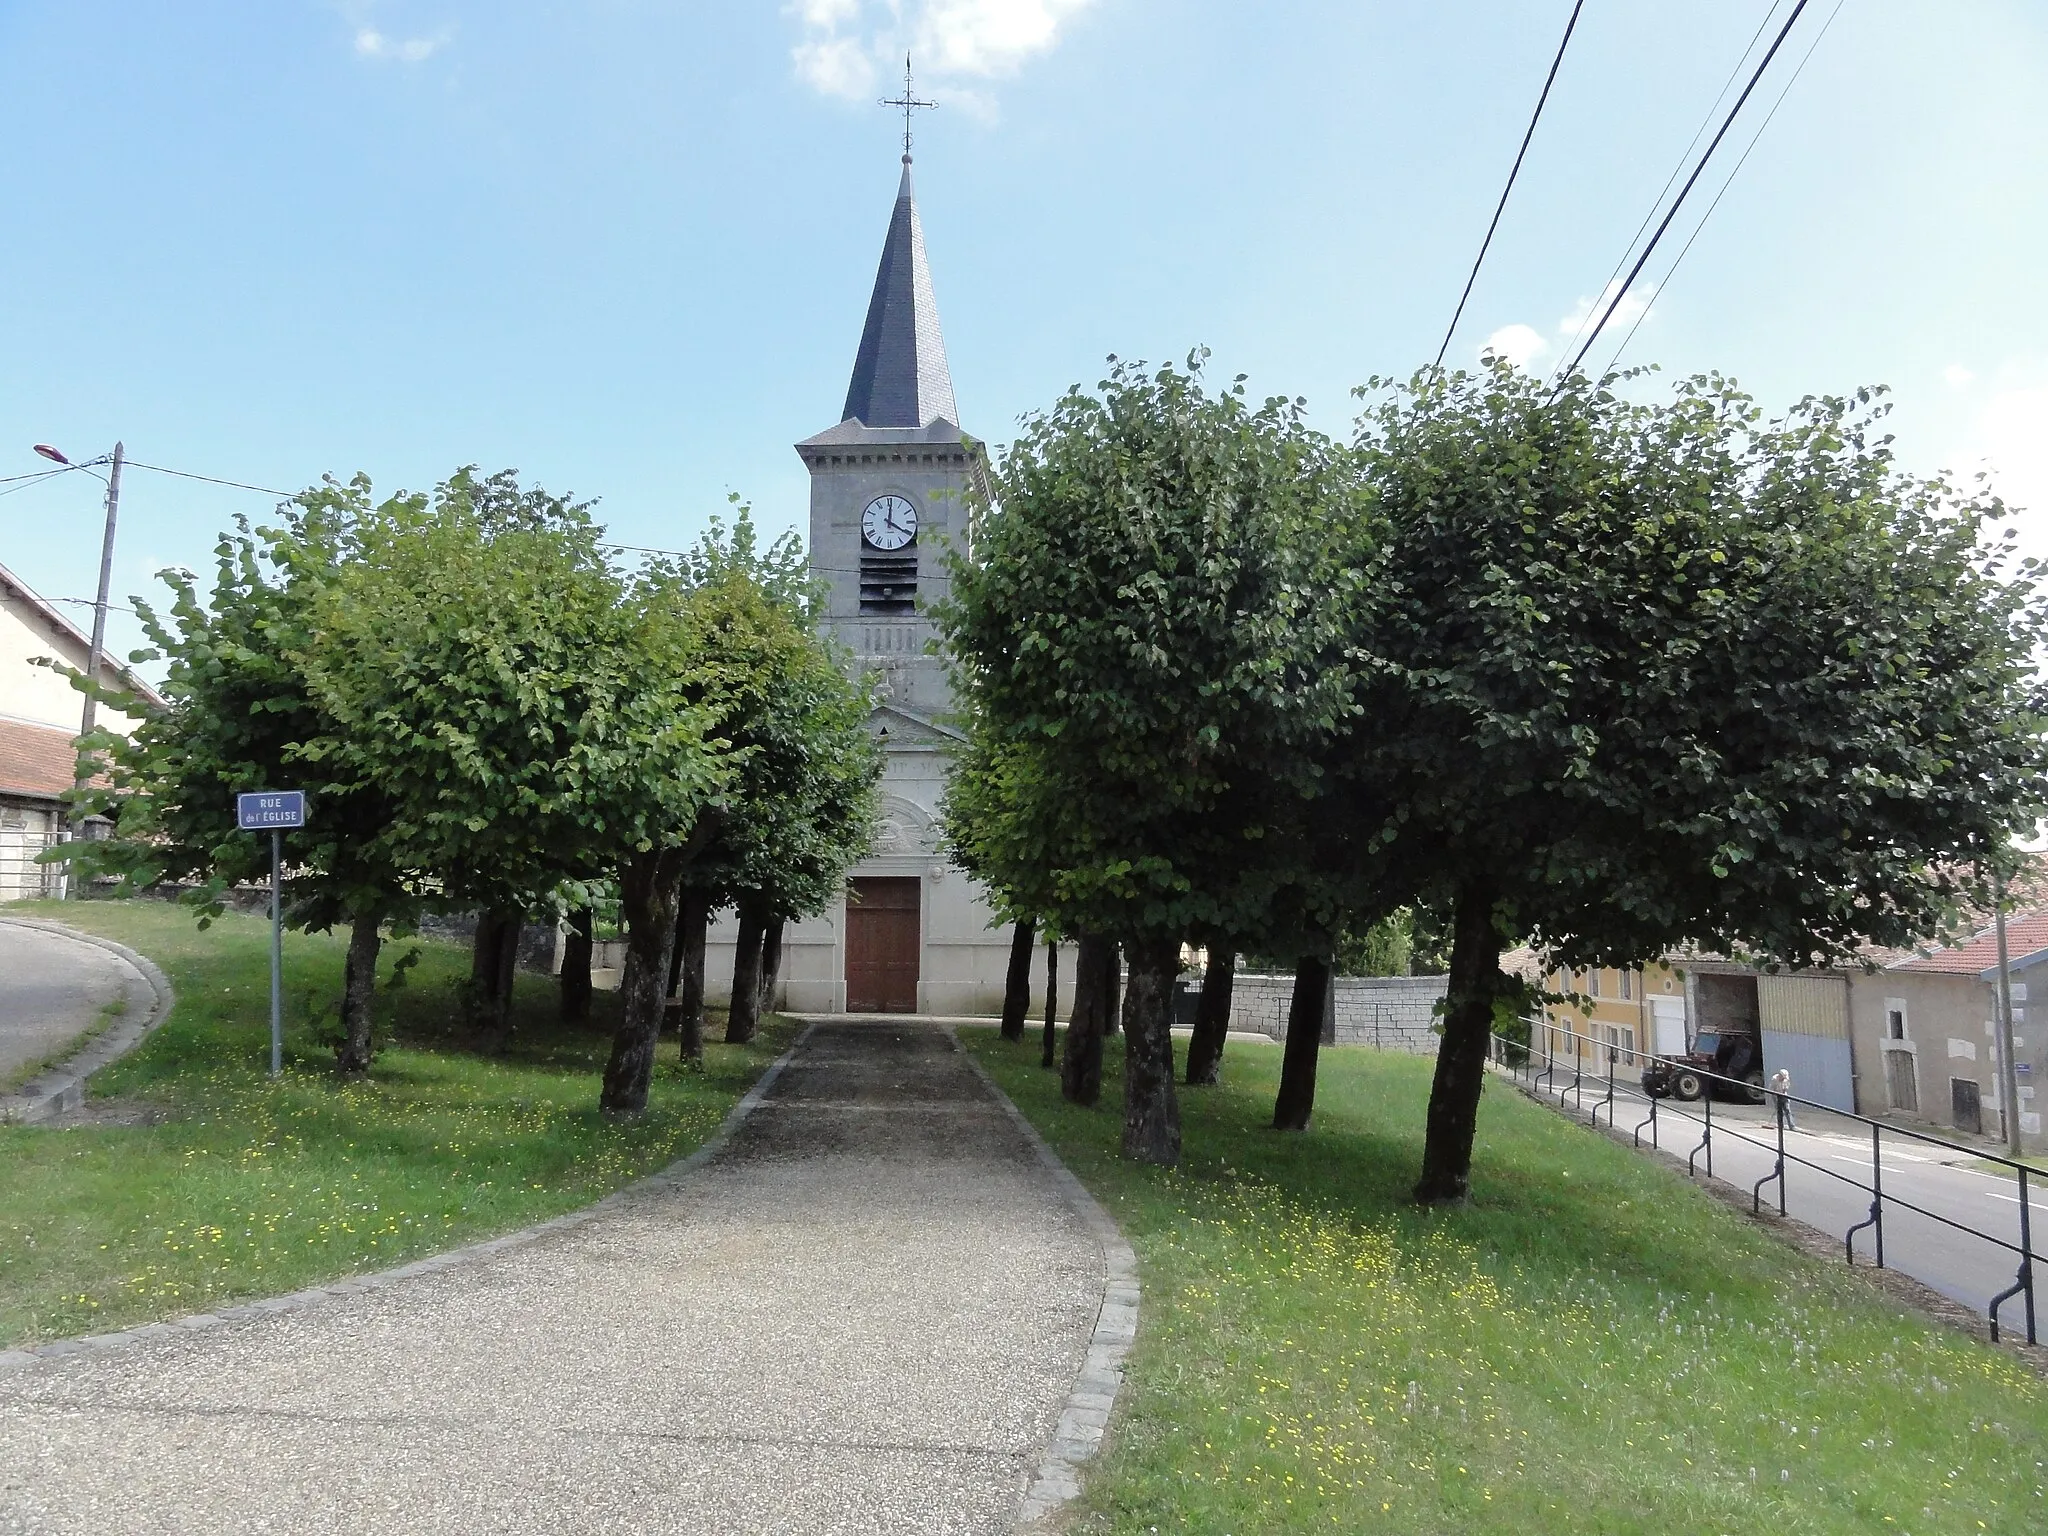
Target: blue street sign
point(271, 810)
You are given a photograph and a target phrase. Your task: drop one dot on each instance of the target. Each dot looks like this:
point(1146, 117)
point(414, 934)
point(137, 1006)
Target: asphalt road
point(53, 988)
point(1831, 1190)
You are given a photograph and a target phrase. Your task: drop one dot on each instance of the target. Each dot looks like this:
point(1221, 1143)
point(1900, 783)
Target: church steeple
point(900, 377)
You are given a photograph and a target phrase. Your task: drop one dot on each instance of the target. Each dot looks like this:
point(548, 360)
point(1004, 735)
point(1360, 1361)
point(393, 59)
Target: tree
point(460, 651)
point(800, 810)
point(1139, 710)
point(240, 714)
point(1650, 675)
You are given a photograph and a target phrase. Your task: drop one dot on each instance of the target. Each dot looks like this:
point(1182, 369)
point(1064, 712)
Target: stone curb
point(353, 1285)
point(1085, 1417)
point(56, 1089)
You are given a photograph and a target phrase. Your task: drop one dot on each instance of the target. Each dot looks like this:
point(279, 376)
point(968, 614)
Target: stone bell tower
point(888, 498)
point(888, 482)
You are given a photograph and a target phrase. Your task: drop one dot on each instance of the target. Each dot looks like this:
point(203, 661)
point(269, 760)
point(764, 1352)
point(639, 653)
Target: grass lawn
point(1590, 1346)
point(247, 1187)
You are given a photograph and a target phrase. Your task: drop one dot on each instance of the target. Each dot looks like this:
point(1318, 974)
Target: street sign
point(271, 810)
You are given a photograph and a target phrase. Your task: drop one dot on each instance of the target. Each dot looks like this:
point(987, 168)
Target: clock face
point(890, 522)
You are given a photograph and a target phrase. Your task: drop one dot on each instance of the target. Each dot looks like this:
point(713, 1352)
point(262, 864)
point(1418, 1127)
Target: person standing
point(1781, 1088)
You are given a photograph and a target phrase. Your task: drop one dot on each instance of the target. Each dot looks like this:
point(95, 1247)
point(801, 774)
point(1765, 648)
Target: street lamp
point(99, 607)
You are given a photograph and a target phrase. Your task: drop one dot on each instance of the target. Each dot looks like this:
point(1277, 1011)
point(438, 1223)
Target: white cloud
point(372, 44)
point(848, 47)
point(1634, 305)
point(836, 66)
point(1519, 344)
point(1957, 376)
point(2011, 440)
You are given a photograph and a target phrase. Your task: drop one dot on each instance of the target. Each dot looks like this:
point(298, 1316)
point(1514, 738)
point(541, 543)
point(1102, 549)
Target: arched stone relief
point(902, 828)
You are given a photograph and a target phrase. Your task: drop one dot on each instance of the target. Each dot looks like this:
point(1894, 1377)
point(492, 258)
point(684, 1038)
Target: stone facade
point(1394, 1013)
point(897, 439)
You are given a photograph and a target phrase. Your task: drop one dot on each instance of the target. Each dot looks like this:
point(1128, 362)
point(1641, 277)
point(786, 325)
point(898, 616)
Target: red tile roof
point(36, 760)
point(2026, 933)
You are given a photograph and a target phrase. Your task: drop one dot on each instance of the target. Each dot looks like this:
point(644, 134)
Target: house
point(1801, 1019)
point(1926, 1039)
point(39, 719)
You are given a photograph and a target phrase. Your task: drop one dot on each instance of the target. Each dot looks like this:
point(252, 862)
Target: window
point(1895, 1018)
point(1621, 1040)
point(1628, 985)
point(888, 583)
point(1592, 982)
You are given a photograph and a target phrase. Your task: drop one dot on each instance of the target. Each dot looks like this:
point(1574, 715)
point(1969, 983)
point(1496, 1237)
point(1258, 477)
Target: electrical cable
point(1643, 260)
point(36, 474)
point(186, 474)
point(1501, 206)
point(1739, 164)
point(1734, 74)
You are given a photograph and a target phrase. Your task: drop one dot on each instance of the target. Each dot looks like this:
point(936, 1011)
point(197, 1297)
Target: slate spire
point(900, 377)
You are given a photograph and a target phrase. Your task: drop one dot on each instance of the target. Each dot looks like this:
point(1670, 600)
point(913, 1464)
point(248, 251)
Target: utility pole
point(2008, 1072)
point(99, 607)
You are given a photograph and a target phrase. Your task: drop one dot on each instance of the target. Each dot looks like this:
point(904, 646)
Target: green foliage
point(1663, 673)
point(799, 810)
point(1147, 644)
point(239, 715)
point(529, 714)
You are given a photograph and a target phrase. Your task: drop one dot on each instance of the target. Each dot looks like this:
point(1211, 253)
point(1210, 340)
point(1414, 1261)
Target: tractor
point(1737, 1056)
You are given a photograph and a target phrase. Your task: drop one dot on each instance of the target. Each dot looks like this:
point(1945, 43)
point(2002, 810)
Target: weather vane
point(910, 102)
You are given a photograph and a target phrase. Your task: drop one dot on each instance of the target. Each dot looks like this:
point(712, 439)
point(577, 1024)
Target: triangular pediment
point(900, 728)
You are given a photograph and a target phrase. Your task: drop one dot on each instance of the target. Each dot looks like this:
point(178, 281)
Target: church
point(913, 933)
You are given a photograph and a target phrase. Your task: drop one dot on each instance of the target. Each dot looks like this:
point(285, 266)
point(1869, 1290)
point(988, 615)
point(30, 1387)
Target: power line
point(1690, 181)
point(184, 474)
point(1739, 164)
point(1706, 121)
point(1501, 206)
point(31, 479)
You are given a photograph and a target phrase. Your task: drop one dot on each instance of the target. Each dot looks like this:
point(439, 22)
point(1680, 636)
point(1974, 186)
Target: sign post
point(274, 811)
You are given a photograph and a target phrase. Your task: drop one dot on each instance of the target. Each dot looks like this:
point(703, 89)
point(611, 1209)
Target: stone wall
point(1395, 1013)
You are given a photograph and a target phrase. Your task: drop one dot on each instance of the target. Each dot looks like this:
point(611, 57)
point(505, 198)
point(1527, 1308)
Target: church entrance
point(881, 945)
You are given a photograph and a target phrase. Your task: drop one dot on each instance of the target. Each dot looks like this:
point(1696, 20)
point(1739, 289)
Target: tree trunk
point(359, 995)
point(1017, 985)
point(687, 965)
point(1151, 1111)
point(771, 964)
point(1212, 1019)
point(1052, 997)
point(1113, 990)
point(650, 888)
point(501, 983)
point(744, 1011)
point(492, 958)
point(1461, 1058)
point(1094, 980)
point(576, 966)
point(1309, 1017)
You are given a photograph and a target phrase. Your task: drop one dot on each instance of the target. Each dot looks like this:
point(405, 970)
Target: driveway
point(53, 989)
point(864, 1314)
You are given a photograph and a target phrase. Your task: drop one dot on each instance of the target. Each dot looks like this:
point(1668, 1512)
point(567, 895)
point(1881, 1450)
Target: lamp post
point(99, 607)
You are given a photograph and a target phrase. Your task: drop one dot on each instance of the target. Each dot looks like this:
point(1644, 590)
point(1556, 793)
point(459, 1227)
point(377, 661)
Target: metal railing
point(1521, 1062)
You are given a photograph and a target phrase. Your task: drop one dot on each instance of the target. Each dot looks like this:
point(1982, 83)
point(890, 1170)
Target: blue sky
point(625, 246)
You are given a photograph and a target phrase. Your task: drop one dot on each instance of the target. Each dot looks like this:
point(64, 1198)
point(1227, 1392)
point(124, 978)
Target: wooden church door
point(882, 933)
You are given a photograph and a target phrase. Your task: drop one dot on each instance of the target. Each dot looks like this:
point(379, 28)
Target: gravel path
point(864, 1314)
point(53, 988)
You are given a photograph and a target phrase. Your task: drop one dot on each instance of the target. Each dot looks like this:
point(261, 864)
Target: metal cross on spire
point(910, 102)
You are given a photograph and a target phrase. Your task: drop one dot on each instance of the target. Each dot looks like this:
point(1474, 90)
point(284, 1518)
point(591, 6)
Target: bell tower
point(888, 482)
